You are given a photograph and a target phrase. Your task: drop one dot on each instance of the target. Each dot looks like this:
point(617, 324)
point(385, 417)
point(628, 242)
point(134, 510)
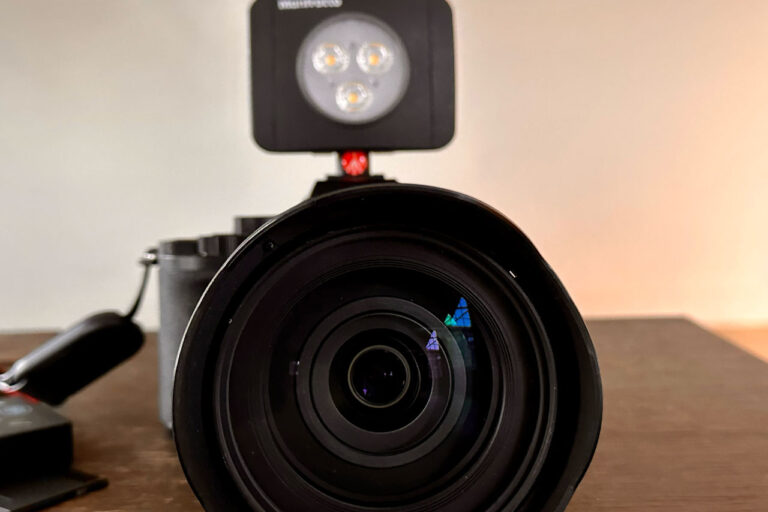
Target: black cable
point(147, 260)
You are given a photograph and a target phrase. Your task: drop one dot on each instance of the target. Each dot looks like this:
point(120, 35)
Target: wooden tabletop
point(685, 427)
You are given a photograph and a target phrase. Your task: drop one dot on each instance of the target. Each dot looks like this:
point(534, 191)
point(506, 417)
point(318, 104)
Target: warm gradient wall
point(628, 139)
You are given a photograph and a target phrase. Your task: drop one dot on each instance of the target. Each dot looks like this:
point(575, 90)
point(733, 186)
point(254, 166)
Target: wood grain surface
point(685, 427)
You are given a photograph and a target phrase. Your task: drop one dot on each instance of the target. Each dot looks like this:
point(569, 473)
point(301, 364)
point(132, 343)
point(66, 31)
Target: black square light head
point(330, 75)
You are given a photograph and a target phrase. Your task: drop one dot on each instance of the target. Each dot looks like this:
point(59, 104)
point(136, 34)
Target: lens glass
point(379, 376)
point(359, 89)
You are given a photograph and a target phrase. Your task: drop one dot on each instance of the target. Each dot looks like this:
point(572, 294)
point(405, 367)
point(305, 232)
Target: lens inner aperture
point(379, 376)
point(353, 349)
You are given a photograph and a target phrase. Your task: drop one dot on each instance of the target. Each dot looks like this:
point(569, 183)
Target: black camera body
point(186, 267)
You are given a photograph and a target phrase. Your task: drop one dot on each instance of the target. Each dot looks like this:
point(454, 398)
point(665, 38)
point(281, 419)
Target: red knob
point(354, 163)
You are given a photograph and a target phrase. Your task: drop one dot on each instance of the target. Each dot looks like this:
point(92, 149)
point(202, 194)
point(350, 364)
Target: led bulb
point(330, 58)
point(353, 97)
point(375, 58)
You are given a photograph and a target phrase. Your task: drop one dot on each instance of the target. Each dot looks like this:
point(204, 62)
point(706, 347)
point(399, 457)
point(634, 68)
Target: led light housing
point(353, 93)
point(400, 50)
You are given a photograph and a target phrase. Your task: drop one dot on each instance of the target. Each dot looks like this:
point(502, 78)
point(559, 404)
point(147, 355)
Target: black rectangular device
point(329, 75)
point(35, 456)
point(28, 495)
point(34, 438)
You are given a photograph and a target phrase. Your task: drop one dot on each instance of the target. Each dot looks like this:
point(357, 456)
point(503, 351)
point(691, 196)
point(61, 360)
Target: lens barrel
point(387, 347)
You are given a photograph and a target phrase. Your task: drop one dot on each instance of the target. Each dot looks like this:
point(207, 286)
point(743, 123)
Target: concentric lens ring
point(366, 363)
point(350, 441)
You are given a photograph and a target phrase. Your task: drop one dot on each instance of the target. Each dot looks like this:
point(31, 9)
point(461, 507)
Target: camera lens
point(355, 356)
point(379, 376)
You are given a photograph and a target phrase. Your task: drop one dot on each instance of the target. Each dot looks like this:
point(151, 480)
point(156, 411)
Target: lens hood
point(386, 347)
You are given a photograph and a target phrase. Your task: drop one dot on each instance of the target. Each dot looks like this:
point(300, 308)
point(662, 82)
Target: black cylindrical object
point(77, 356)
point(387, 347)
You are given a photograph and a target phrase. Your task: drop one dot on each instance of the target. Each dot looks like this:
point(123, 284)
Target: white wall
point(628, 139)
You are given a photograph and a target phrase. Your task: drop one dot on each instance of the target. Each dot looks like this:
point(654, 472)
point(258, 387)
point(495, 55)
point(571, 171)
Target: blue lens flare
point(460, 317)
point(433, 344)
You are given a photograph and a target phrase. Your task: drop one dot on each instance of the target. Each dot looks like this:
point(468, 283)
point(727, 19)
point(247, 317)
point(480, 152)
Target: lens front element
point(379, 376)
